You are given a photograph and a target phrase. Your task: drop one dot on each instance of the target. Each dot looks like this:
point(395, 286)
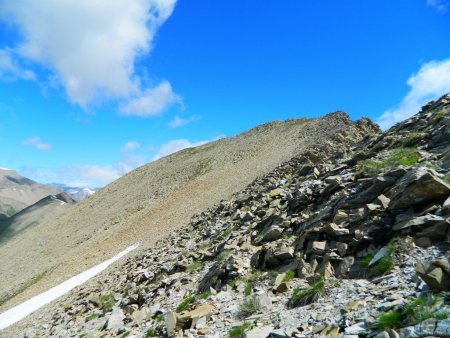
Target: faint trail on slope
point(19, 312)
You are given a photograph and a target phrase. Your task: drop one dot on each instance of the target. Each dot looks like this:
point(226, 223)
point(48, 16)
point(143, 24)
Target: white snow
point(19, 312)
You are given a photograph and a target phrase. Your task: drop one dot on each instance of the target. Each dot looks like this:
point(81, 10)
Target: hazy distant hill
point(34, 215)
point(18, 192)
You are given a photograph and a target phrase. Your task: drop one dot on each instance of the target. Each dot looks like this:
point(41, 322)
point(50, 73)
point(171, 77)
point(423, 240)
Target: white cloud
point(176, 145)
point(429, 83)
point(96, 175)
point(37, 143)
point(440, 5)
point(152, 102)
point(130, 146)
point(10, 69)
point(179, 122)
point(91, 46)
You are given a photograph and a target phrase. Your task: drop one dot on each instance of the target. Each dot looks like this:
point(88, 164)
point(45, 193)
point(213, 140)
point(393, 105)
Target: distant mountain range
point(18, 192)
point(78, 194)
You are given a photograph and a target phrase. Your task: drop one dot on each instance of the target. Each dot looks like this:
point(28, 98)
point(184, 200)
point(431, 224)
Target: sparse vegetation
point(194, 266)
point(302, 297)
point(201, 149)
point(203, 166)
point(366, 261)
point(414, 312)
point(290, 275)
point(250, 281)
point(248, 307)
point(398, 157)
point(224, 255)
point(185, 303)
point(152, 332)
point(239, 331)
point(92, 316)
point(384, 265)
point(204, 295)
point(106, 302)
point(23, 287)
point(390, 320)
point(411, 139)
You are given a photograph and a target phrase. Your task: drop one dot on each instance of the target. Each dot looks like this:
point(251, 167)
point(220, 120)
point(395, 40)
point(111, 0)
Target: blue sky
point(89, 90)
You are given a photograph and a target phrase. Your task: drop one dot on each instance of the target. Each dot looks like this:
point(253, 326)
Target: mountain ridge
point(334, 242)
point(18, 192)
point(149, 202)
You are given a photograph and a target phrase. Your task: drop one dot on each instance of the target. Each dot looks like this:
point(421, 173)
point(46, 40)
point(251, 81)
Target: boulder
point(318, 247)
point(435, 274)
point(115, 321)
point(419, 186)
point(271, 234)
point(420, 222)
point(259, 332)
point(171, 323)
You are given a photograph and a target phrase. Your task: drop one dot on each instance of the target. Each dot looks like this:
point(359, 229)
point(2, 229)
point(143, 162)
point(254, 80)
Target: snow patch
point(21, 311)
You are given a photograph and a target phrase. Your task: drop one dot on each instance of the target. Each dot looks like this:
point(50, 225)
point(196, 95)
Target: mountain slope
point(18, 192)
point(148, 203)
point(34, 215)
point(329, 244)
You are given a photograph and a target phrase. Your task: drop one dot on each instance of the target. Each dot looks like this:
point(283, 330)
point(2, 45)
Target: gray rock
point(418, 186)
point(383, 252)
point(171, 323)
point(443, 328)
point(115, 321)
point(422, 221)
point(259, 332)
point(436, 274)
point(271, 234)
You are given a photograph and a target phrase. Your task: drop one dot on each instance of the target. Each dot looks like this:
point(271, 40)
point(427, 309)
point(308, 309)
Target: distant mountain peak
point(77, 193)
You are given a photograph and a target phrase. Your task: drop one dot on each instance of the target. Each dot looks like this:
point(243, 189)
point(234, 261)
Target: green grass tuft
point(390, 320)
point(366, 261)
point(399, 157)
point(92, 316)
point(384, 265)
point(290, 275)
point(204, 295)
point(194, 266)
point(411, 139)
point(302, 297)
point(239, 331)
point(415, 312)
point(224, 255)
point(248, 307)
point(106, 302)
point(185, 304)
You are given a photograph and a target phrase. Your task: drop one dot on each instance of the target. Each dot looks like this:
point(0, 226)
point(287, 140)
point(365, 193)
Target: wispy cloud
point(89, 47)
point(10, 68)
point(429, 83)
point(441, 6)
point(177, 121)
point(130, 146)
point(91, 175)
point(37, 143)
point(152, 102)
point(176, 145)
